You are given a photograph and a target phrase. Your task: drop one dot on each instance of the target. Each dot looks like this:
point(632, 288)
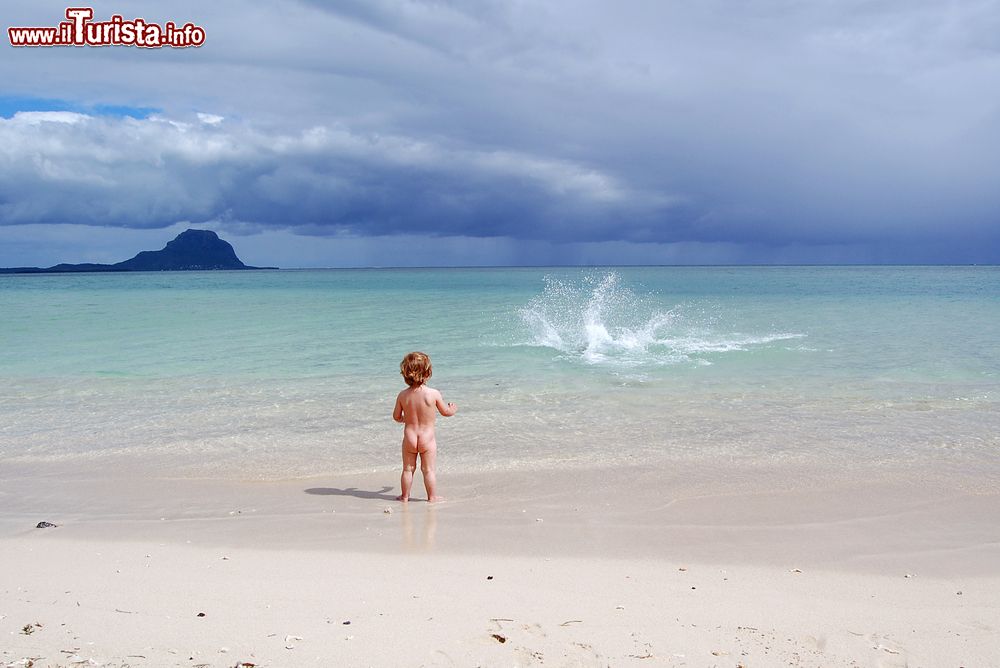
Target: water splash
point(601, 321)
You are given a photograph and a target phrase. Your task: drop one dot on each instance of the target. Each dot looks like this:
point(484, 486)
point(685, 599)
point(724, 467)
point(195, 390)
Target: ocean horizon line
point(529, 266)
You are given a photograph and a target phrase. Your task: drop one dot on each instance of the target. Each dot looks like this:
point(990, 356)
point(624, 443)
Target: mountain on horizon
point(191, 250)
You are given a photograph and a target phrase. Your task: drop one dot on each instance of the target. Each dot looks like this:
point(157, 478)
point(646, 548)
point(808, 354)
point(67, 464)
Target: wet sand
point(638, 567)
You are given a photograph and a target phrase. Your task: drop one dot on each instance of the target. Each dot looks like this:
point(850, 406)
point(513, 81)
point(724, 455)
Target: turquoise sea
point(281, 374)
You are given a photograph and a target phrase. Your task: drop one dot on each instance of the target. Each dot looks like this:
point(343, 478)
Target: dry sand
point(673, 567)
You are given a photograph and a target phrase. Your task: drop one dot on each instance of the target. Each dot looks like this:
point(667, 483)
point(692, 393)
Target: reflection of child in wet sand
point(417, 407)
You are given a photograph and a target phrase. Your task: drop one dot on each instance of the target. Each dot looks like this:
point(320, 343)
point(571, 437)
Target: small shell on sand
point(387, 510)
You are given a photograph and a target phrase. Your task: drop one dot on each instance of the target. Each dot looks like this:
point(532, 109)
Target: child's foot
point(434, 499)
point(402, 498)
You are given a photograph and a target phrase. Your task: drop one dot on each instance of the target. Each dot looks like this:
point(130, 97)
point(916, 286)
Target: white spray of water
point(599, 320)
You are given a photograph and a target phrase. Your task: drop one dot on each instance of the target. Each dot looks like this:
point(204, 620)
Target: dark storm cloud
point(762, 124)
point(66, 167)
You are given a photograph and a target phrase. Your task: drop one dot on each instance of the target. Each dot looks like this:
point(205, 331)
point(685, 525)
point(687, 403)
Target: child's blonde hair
point(415, 368)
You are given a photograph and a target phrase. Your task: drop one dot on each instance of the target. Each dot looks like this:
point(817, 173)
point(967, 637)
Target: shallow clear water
point(290, 373)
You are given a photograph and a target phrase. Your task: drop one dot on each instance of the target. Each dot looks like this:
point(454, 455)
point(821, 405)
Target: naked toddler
point(417, 407)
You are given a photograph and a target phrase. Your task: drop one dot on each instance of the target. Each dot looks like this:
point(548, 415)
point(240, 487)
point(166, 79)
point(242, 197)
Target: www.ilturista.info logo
point(80, 30)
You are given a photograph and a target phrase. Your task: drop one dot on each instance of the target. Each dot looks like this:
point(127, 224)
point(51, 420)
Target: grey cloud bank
point(500, 132)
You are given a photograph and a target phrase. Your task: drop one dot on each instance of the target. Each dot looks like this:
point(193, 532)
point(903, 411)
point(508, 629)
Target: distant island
point(191, 250)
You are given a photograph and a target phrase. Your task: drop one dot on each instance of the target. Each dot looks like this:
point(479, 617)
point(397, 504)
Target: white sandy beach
point(584, 568)
point(714, 288)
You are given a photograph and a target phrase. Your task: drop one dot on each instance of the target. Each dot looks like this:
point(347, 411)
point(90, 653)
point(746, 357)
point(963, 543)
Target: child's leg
point(427, 460)
point(406, 479)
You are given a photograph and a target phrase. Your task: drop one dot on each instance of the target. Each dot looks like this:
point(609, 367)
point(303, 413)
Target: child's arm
point(397, 411)
point(446, 409)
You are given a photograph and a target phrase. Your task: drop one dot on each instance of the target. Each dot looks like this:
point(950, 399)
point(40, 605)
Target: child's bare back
point(417, 407)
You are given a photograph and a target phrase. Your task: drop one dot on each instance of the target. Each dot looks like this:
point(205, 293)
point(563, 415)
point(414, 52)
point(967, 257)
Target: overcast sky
point(378, 132)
